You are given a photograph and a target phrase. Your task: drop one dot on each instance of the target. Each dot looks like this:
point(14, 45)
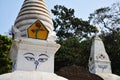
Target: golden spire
point(96, 29)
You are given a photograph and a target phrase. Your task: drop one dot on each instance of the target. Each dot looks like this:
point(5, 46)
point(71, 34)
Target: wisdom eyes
point(42, 59)
point(33, 59)
point(30, 58)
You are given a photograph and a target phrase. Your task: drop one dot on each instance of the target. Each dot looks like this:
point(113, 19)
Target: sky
point(9, 9)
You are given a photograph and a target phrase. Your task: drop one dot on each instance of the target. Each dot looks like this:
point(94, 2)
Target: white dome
point(33, 75)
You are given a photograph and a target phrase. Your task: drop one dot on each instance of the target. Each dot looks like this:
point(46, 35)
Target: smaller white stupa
point(99, 62)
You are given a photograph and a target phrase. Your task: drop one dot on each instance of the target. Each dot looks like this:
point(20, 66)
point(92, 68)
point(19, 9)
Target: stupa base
point(30, 75)
point(108, 76)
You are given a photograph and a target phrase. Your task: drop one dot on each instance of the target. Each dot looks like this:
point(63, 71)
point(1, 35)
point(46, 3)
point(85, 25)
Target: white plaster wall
point(34, 48)
point(102, 67)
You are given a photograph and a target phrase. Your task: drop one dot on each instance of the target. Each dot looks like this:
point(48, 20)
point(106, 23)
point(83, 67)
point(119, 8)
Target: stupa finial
point(95, 30)
point(32, 14)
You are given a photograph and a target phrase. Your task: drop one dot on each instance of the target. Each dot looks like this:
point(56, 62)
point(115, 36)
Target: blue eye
point(30, 58)
point(42, 59)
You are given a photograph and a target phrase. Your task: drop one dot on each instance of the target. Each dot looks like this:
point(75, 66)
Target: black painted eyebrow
point(43, 55)
point(29, 53)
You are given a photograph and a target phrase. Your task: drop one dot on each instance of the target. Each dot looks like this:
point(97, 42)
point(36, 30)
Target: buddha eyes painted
point(32, 58)
point(42, 59)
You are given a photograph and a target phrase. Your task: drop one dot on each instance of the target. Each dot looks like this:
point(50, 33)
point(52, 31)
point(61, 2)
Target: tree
point(67, 54)
point(5, 62)
point(73, 52)
point(107, 17)
point(67, 25)
point(70, 32)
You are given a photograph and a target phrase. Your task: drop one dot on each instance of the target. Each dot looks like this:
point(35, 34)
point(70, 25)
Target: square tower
point(31, 54)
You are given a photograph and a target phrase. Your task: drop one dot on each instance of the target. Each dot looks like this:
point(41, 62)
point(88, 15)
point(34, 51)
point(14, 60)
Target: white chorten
point(34, 46)
point(99, 62)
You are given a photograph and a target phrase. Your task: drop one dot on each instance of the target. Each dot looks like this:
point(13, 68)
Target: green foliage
point(67, 25)
point(5, 62)
point(72, 52)
point(67, 54)
point(70, 32)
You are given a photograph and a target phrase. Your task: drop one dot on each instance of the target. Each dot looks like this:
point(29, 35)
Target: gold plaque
point(38, 31)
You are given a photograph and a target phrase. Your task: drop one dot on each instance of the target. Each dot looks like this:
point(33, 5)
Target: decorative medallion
point(101, 57)
point(37, 31)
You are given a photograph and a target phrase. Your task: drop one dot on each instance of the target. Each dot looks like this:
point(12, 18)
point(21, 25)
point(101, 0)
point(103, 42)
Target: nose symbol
point(36, 64)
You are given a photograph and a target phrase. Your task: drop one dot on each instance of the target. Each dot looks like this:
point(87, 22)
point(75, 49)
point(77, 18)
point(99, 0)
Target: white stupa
point(34, 46)
point(99, 62)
